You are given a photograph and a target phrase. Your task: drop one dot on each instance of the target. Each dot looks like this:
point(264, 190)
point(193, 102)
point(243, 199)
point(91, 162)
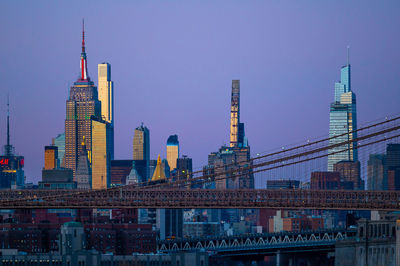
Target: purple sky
point(173, 62)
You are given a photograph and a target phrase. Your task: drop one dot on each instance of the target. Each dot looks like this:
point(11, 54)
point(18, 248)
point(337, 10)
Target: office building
point(11, 165)
point(325, 180)
point(59, 142)
point(343, 121)
point(141, 147)
point(393, 166)
point(377, 172)
point(82, 105)
point(106, 92)
point(59, 178)
point(231, 159)
point(102, 143)
point(170, 223)
point(349, 174)
point(50, 157)
point(172, 151)
point(184, 168)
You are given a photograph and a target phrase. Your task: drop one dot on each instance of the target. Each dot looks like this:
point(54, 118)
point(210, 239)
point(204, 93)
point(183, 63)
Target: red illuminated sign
point(3, 161)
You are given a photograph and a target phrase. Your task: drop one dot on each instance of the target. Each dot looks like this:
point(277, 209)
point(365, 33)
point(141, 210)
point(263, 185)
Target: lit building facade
point(50, 157)
point(82, 105)
point(343, 121)
point(101, 154)
point(172, 151)
point(106, 92)
point(141, 147)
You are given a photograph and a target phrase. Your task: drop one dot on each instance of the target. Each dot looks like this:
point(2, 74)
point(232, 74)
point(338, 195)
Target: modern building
point(141, 147)
point(50, 157)
point(59, 178)
point(102, 147)
point(237, 134)
point(170, 223)
point(59, 142)
point(350, 176)
point(172, 151)
point(82, 105)
point(377, 172)
point(106, 92)
point(11, 165)
point(393, 166)
point(343, 121)
point(184, 168)
point(283, 184)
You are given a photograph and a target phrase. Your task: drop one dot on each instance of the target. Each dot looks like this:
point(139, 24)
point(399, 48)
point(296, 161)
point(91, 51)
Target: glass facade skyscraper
point(172, 151)
point(343, 121)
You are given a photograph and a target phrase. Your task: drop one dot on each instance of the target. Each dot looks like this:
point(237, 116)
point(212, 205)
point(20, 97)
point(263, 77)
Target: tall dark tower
point(82, 106)
point(11, 165)
point(235, 113)
point(8, 147)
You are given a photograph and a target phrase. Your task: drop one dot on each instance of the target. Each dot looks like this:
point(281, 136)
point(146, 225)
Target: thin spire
point(348, 54)
point(83, 35)
point(8, 120)
point(83, 63)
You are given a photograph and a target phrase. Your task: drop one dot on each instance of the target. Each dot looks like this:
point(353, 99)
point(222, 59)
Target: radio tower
point(8, 147)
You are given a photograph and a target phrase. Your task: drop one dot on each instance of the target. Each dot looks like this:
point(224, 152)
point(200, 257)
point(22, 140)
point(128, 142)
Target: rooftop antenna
point(8, 146)
point(348, 54)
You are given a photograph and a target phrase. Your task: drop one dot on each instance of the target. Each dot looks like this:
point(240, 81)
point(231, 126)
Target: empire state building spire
point(84, 74)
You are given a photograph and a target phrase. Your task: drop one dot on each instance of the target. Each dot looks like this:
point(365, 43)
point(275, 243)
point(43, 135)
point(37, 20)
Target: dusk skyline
point(173, 64)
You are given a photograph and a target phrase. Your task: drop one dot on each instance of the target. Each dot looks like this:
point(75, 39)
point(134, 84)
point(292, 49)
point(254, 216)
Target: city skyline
point(215, 107)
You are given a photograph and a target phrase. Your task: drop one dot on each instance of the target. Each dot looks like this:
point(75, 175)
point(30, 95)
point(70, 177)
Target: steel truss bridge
point(130, 197)
point(178, 194)
point(259, 243)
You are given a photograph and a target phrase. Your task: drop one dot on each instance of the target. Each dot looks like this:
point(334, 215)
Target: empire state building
point(83, 107)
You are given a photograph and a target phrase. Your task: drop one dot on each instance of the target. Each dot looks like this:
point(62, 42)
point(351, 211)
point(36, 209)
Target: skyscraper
point(393, 166)
point(235, 113)
point(377, 172)
point(237, 134)
point(101, 153)
point(343, 121)
point(82, 104)
point(59, 142)
point(106, 92)
point(50, 157)
point(172, 151)
point(11, 165)
point(141, 147)
point(141, 143)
